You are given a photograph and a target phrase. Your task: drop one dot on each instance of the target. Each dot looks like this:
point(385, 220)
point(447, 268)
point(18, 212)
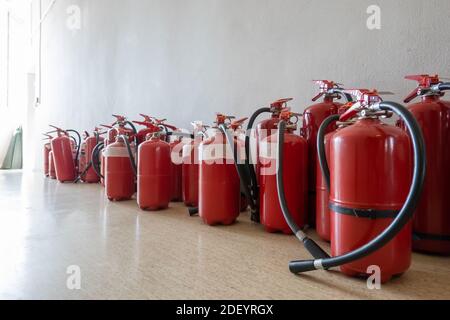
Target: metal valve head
point(425, 84)
point(237, 124)
point(223, 119)
point(281, 104)
point(364, 99)
point(326, 88)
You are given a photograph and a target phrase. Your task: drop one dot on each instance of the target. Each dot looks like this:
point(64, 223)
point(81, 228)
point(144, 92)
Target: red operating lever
point(425, 82)
point(238, 123)
point(324, 86)
point(364, 99)
point(279, 105)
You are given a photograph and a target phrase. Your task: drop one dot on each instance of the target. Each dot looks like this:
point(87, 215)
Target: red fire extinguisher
point(190, 166)
point(47, 149)
point(312, 119)
point(154, 173)
point(88, 173)
point(120, 167)
point(219, 185)
point(432, 219)
point(51, 166)
point(251, 173)
point(295, 178)
point(176, 149)
point(322, 194)
point(63, 155)
point(372, 197)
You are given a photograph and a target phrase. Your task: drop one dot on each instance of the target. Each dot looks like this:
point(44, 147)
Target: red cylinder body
point(264, 129)
point(313, 118)
point(154, 175)
point(51, 166)
point(90, 176)
point(295, 177)
point(47, 149)
point(63, 159)
point(432, 218)
point(370, 168)
point(219, 184)
point(323, 197)
point(190, 174)
point(82, 162)
point(119, 175)
point(176, 171)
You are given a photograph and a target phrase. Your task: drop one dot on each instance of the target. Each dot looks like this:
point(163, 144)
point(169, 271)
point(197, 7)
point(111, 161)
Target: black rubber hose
point(136, 139)
point(130, 154)
point(444, 86)
point(313, 248)
point(250, 167)
point(166, 131)
point(78, 145)
point(95, 159)
point(406, 213)
point(321, 148)
point(244, 186)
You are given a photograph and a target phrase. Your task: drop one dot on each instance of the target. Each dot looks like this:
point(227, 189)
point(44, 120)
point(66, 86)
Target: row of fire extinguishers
point(372, 189)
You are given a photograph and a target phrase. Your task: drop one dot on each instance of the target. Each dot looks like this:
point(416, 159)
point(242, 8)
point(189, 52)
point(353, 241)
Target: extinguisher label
point(267, 158)
point(113, 152)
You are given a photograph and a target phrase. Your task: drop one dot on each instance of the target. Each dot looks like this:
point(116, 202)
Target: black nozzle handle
point(193, 211)
point(297, 267)
point(314, 249)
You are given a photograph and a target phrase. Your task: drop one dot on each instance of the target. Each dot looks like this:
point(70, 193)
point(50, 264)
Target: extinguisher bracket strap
point(365, 213)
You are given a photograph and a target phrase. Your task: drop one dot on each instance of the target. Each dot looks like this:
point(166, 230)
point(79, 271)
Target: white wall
point(187, 59)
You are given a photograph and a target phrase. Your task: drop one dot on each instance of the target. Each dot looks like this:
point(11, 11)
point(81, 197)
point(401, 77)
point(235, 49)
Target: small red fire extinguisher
point(432, 219)
point(120, 167)
point(295, 177)
point(63, 155)
point(190, 166)
point(88, 174)
point(219, 185)
point(254, 136)
point(47, 149)
point(312, 119)
point(372, 195)
point(154, 173)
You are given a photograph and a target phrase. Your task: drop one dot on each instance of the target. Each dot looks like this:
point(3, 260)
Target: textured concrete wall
point(187, 59)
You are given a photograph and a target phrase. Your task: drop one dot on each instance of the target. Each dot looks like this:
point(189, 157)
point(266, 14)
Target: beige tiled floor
point(125, 253)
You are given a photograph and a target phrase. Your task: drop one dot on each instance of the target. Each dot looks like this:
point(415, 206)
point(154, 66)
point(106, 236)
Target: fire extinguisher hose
point(405, 214)
point(321, 148)
point(130, 153)
point(240, 170)
point(78, 143)
point(252, 181)
point(95, 158)
point(444, 86)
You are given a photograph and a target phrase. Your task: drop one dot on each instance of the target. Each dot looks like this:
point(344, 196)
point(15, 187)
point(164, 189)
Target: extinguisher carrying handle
point(310, 245)
point(406, 212)
point(321, 148)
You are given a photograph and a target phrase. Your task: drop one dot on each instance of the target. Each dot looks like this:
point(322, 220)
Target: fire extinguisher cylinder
point(406, 213)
